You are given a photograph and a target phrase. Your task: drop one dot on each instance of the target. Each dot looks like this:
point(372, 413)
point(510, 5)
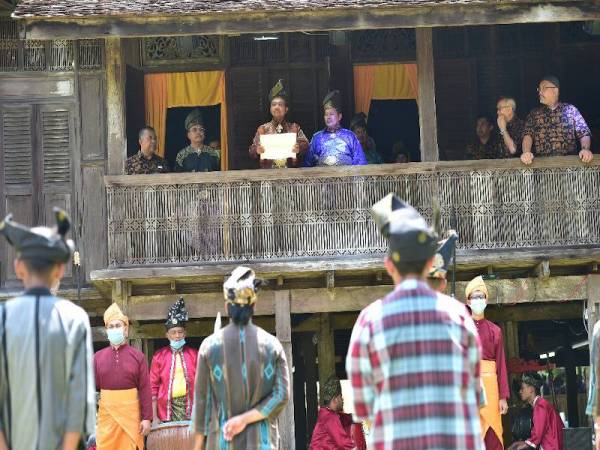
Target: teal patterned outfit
point(240, 368)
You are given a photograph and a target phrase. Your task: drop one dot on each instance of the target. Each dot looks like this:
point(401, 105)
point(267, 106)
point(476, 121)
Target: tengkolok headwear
point(409, 236)
point(443, 256)
point(241, 287)
point(278, 91)
point(194, 118)
point(177, 315)
point(43, 243)
point(331, 389)
point(114, 313)
point(333, 100)
point(476, 284)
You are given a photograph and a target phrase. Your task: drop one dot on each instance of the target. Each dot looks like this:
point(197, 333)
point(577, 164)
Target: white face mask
point(478, 306)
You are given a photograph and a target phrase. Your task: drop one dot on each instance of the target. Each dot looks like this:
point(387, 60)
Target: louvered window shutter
point(56, 145)
point(17, 145)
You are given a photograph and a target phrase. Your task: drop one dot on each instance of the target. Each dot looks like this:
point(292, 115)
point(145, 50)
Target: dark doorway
point(393, 121)
point(176, 135)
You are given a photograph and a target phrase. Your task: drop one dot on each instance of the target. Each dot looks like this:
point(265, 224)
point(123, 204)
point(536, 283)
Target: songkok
point(476, 284)
point(359, 120)
point(114, 313)
point(241, 287)
point(551, 79)
point(331, 389)
point(278, 91)
point(40, 243)
point(333, 100)
point(443, 256)
point(177, 315)
point(194, 118)
point(409, 237)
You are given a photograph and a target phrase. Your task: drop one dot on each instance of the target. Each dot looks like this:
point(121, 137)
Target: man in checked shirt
point(413, 359)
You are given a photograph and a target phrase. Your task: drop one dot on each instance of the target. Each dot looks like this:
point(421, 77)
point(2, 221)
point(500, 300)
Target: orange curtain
point(155, 87)
point(186, 89)
point(364, 77)
point(383, 82)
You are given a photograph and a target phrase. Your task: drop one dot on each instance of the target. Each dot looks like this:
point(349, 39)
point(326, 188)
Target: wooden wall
point(53, 153)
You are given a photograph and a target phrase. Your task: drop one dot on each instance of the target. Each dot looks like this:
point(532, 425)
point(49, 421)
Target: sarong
point(118, 423)
point(490, 413)
point(178, 409)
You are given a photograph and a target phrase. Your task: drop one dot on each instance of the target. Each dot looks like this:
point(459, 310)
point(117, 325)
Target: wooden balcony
point(501, 209)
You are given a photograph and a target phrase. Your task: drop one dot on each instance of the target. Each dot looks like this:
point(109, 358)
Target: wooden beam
point(360, 18)
point(344, 299)
point(326, 351)
point(115, 105)
point(426, 99)
point(283, 331)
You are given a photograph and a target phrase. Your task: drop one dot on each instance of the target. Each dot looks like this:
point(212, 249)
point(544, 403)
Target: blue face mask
point(176, 345)
point(116, 336)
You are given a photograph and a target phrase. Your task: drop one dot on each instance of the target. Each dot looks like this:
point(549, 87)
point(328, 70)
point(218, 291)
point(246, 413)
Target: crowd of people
point(554, 128)
point(426, 370)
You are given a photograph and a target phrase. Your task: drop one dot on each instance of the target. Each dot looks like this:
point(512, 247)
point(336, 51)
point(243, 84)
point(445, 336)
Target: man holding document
point(278, 143)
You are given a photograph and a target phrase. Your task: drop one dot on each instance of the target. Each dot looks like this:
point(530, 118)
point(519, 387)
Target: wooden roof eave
point(223, 23)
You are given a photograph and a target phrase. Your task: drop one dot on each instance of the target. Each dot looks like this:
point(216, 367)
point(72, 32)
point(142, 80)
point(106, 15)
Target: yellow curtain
point(364, 77)
point(187, 89)
point(155, 88)
point(383, 82)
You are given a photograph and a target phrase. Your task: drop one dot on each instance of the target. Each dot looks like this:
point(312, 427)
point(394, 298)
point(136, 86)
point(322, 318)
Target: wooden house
point(78, 80)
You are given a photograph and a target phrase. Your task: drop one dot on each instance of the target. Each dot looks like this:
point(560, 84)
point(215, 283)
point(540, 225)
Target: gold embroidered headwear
point(476, 284)
point(241, 287)
point(114, 313)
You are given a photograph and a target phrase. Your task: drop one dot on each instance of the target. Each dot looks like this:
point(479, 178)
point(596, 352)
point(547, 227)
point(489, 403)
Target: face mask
point(176, 345)
point(478, 306)
point(116, 336)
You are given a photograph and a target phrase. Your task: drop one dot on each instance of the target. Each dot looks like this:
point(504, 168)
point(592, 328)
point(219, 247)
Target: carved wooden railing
point(323, 212)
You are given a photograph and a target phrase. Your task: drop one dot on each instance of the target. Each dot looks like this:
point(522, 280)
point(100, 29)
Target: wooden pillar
point(572, 383)
point(299, 392)
point(326, 352)
point(283, 330)
point(510, 332)
point(115, 106)
point(426, 100)
point(312, 401)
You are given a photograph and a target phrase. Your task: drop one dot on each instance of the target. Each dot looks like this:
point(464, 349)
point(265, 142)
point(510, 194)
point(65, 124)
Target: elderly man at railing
point(554, 128)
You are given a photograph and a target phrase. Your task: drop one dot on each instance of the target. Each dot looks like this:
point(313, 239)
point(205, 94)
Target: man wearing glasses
point(173, 371)
point(510, 128)
point(555, 128)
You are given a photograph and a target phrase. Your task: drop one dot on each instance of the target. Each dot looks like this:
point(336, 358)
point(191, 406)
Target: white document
point(278, 146)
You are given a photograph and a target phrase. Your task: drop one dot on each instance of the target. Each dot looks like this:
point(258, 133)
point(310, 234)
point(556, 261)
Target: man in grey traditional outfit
point(47, 397)
point(242, 381)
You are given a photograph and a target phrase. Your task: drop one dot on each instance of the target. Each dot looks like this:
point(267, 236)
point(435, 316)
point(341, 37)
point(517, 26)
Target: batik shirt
point(205, 159)
point(239, 369)
point(413, 362)
point(338, 147)
point(138, 164)
point(46, 374)
point(479, 150)
point(556, 132)
point(593, 404)
point(273, 127)
point(514, 128)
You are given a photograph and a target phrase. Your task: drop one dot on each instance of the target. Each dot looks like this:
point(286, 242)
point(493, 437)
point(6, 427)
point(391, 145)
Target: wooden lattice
point(164, 219)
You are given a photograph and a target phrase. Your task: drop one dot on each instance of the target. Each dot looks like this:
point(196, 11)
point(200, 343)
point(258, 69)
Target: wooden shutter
point(56, 145)
point(16, 155)
point(17, 145)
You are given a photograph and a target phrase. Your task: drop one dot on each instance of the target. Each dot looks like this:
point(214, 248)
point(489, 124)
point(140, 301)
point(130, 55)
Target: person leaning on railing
point(554, 128)
point(510, 128)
